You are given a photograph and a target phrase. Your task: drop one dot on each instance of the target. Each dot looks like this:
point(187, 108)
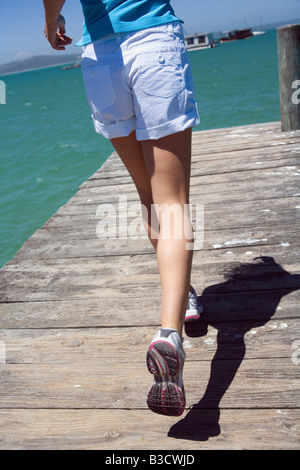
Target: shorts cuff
point(118, 129)
point(171, 127)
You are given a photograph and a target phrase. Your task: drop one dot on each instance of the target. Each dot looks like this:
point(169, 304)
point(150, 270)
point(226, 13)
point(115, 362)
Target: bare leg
point(168, 163)
point(131, 154)
point(160, 170)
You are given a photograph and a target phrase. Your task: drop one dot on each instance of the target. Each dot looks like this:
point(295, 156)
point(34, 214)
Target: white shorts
point(140, 81)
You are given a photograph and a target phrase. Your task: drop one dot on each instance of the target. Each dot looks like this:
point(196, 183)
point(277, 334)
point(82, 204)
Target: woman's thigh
point(168, 163)
point(131, 153)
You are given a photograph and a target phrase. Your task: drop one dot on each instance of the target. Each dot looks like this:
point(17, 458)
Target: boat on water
point(196, 42)
point(73, 66)
point(236, 35)
point(258, 33)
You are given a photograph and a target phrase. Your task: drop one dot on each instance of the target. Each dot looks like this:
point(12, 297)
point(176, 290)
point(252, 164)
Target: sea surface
point(48, 146)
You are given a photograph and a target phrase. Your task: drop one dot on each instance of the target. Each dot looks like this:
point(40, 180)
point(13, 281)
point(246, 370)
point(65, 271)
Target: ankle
point(176, 328)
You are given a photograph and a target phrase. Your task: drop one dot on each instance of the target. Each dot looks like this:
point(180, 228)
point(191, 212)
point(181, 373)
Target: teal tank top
point(103, 17)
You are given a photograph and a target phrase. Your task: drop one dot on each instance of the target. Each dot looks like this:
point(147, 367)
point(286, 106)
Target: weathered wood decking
point(78, 312)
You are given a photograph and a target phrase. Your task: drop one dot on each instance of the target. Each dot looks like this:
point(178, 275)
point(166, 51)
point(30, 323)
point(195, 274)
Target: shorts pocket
point(161, 74)
point(99, 87)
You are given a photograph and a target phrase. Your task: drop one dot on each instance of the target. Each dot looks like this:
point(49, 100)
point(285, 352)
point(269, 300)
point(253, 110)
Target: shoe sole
point(165, 396)
point(193, 315)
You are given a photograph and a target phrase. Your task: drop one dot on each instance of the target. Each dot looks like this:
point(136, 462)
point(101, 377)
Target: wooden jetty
point(77, 312)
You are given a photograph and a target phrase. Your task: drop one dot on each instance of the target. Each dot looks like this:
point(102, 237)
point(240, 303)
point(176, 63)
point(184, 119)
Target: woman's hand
point(55, 33)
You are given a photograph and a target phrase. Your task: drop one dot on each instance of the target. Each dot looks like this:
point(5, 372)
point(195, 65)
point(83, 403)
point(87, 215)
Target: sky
point(22, 21)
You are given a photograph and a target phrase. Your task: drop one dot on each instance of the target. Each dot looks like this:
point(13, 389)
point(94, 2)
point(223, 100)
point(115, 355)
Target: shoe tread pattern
point(164, 397)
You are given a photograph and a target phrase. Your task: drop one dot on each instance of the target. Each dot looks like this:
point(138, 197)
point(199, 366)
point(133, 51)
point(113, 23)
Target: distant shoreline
point(38, 63)
point(36, 68)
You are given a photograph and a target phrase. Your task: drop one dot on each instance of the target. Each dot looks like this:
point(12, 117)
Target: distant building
point(199, 41)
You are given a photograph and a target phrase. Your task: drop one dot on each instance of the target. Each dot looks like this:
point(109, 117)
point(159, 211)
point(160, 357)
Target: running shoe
point(194, 309)
point(165, 360)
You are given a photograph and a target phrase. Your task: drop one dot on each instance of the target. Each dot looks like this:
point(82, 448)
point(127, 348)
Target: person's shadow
point(247, 299)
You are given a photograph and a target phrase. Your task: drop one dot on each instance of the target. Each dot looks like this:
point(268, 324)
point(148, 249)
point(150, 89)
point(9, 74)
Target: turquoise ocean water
point(48, 146)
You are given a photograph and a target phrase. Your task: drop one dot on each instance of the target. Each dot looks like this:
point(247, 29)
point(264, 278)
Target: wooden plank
point(51, 244)
point(255, 142)
point(86, 313)
point(71, 279)
point(241, 215)
point(213, 229)
point(124, 312)
point(266, 157)
point(229, 191)
point(232, 191)
point(228, 383)
point(288, 166)
point(64, 279)
point(259, 184)
point(261, 136)
point(213, 264)
point(275, 338)
point(136, 430)
point(212, 159)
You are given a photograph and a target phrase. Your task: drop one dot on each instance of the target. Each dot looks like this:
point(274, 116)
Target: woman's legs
point(131, 153)
point(160, 170)
point(168, 163)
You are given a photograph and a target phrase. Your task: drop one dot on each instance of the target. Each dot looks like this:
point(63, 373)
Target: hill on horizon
point(36, 62)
